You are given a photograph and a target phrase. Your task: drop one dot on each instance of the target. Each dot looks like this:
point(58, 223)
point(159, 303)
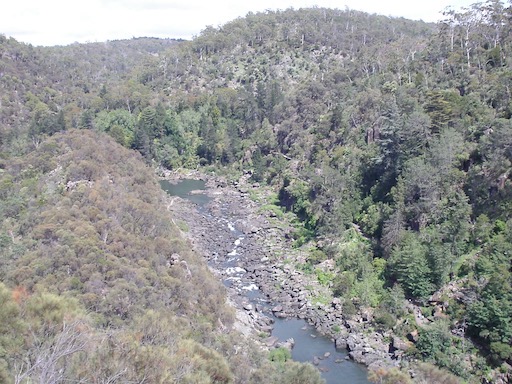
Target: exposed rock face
point(398, 346)
point(232, 224)
point(288, 344)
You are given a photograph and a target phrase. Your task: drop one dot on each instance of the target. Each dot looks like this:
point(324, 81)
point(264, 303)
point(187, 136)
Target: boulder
point(271, 341)
point(288, 344)
point(341, 343)
point(399, 345)
point(357, 356)
point(413, 336)
point(370, 358)
point(354, 341)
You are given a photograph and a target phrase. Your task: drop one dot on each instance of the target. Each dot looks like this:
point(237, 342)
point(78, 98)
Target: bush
point(501, 351)
point(280, 355)
point(428, 373)
point(349, 309)
point(391, 376)
point(316, 256)
point(384, 320)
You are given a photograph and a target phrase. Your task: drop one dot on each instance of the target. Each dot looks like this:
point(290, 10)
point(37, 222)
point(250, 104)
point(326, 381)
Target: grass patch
point(324, 278)
point(273, 209)
point(321, 299)
point(183, 226)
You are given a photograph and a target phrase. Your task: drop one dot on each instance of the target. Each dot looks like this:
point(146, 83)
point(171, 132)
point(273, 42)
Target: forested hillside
point(391, 141)
point(98, 285)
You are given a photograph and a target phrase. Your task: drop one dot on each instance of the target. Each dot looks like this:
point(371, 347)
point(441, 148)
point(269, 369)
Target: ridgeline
point(384, 142)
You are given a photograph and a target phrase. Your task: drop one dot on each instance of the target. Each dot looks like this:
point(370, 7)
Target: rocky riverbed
point(233, 224)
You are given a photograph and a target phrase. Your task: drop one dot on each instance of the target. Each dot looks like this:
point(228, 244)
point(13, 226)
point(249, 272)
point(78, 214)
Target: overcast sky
point(60, 22)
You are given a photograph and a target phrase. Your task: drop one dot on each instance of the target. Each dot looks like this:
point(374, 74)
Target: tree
point(11, 329)
point(119, 123)
point(408, 264)
point(48, 359)
point(421, 193)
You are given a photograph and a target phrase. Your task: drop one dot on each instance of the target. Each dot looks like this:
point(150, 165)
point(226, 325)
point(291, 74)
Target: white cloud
point(53, 22)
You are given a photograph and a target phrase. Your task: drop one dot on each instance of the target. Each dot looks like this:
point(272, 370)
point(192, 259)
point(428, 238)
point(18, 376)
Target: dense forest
point(389, 139)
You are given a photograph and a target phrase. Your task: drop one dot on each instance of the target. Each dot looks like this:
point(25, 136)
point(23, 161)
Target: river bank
point(232, 223)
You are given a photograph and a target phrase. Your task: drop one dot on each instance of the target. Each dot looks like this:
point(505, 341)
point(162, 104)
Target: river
point(310, 346)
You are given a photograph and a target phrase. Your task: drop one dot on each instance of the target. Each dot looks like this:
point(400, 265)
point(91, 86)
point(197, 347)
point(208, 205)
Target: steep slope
point(39, 84)
point(388, 139)
point(97, 283)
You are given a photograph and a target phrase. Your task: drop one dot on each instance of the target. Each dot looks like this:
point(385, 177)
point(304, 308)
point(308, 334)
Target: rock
point(357, 356)
point(413, 336)
point(288, 344)
point(340, 343)
point(366, 315)
point(381, 364)
point(370, 358)
point(399, 344)
point(377, 343)
point(353, 342)
point(271, 341)
point(278, 281)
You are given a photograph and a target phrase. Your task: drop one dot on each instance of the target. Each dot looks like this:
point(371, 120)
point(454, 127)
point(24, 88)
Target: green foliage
point(295, 373)
point(489, 317)
point(391, 376)
point(437, 345)
point(274, 210)
point(393, 301)
point(409, 265)
point(316, 256)
point(397, 161)
point(49, 310)
point(120, 124)
point(205, 365)
point(280, 355)
point(324, 278)
point(11, 329)
point(501, 351)
point(384, 320)
point(429, 373)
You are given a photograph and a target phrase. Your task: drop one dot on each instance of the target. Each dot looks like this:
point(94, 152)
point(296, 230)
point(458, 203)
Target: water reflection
point(192, 190)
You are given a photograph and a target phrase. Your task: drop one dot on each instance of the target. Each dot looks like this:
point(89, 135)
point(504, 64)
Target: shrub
point(384, 320)
point(280, 355)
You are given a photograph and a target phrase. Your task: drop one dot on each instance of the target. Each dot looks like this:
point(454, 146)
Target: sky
point(62, 22)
